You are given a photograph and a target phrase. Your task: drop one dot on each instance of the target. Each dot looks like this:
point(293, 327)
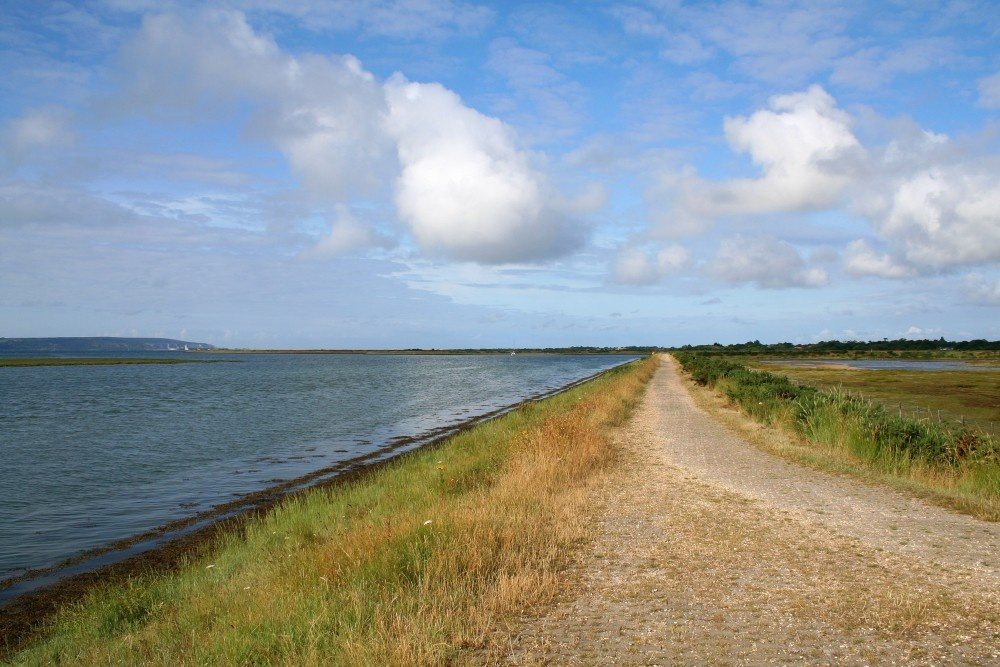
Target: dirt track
point(709, 551)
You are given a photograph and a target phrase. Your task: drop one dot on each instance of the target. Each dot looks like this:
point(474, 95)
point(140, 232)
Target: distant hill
point(98, 344)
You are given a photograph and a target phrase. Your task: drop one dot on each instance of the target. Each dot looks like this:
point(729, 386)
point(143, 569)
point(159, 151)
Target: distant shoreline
point(21, 362)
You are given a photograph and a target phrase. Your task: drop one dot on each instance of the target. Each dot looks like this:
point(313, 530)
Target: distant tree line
point(755, 347)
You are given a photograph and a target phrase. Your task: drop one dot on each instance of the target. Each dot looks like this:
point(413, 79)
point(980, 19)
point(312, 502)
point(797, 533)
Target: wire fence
point(944, 417)
point(919, 412)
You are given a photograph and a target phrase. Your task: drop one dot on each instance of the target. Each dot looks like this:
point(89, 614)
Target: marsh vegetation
point(955, 464)
point(953, 396)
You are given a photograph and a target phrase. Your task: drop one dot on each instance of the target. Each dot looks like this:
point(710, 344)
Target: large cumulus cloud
point(937, 217)
point(797, 143)
point(932, 203)
point(460, 182)
point(466, 190)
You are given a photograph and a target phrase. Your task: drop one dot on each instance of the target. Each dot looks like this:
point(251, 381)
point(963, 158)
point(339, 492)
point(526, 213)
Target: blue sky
point(402, 173)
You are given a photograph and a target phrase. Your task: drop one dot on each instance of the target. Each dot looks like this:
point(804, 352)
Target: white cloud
point(405, 19)
point(329, 126)
point(23, 204)
point(935, 204)
point(557, 102)
point(177, 62)
point(347, 233)
point(802, 145)
point(982, 290)
point(797, 144)
point(463, 185)
point(860, 259)
point(37, 130)
point(40, 128)
point(323, 112)
point(672, 258)
point(792, 42)
point(681, 48)
point(922, 331)
point(768, 263)
point(634, 266)
point(466, 190)
point(423, 20)
point(940, 217)
point(871, 67)
point(989, 91)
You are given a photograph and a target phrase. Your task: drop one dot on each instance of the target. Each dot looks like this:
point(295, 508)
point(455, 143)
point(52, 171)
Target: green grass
point(420, 562)
point(957, 465)
point(974, 395)
point(95, 361)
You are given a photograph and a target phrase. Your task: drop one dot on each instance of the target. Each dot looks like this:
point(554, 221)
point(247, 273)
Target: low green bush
point(834, 417)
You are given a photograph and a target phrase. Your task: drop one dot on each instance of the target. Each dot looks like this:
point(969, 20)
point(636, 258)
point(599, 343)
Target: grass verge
point(958, 468)
point(416, 563)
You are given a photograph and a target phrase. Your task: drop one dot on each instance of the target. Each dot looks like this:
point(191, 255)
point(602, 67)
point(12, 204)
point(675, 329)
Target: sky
point(418, 173)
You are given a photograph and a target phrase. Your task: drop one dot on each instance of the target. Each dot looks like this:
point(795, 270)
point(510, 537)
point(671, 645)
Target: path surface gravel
point(709, 551)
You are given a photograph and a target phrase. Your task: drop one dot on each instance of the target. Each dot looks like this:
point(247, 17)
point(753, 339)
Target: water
point(94, 454)
point(884, 364)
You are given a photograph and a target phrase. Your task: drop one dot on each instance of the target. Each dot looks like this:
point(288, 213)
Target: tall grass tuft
point(418, 563)
point(963, 464)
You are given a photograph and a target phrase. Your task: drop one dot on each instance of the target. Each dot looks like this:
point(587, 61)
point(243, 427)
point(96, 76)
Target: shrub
point(826, 415)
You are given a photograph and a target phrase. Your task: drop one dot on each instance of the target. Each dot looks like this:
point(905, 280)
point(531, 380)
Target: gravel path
point(709, 551)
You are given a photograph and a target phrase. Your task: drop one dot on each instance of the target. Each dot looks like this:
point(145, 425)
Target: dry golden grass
point(420, 563)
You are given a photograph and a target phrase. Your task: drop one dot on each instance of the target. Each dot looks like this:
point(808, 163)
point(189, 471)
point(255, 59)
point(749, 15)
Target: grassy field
point(944, 395)
point(94, 361)
point(421, 562)
point(956, 465)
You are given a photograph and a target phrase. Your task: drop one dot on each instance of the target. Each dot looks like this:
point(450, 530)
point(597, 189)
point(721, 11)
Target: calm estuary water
point(93, 454)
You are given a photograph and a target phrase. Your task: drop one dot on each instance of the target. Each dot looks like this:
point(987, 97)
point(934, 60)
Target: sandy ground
point(709, 551)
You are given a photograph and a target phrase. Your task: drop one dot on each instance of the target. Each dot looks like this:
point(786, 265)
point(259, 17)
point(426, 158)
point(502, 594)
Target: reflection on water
point(92, 454)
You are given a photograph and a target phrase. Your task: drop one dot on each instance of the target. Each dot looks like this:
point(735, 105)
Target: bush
point(827, 415)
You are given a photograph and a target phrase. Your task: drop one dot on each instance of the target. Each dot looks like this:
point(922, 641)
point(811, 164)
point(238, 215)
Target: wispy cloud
point(767, 263)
